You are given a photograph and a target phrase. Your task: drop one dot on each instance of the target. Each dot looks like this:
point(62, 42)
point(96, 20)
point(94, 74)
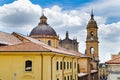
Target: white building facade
point(114, 68)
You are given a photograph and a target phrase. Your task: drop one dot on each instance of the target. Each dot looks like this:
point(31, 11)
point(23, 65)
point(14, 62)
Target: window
point(91, 35)
point(70, 65)
point(68, 77)
point(28, 65)
point(61, 65)
point(67, 65)
point(91, 50)
point(64, 65)
point(65, 78)
point(49, 43)
point(75, 64)
point(57, 65)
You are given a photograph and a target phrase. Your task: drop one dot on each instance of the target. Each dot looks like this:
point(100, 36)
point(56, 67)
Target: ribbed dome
point(43, 28)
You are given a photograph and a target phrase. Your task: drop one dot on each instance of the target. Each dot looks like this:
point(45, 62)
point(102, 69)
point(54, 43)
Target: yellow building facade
point(39, 57)
point(44, 65)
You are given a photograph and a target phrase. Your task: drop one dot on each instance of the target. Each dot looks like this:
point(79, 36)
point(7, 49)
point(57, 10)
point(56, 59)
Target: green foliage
point(119, 53)
point(118, 78)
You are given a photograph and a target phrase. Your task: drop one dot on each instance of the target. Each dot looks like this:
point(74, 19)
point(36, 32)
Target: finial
point(67, 35)
point(42, 11)
point(92, 15)
point(43, 19)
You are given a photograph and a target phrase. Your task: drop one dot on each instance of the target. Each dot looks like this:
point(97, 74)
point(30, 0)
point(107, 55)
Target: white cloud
point(21, 16)
point(109, 40)
point(107, 9)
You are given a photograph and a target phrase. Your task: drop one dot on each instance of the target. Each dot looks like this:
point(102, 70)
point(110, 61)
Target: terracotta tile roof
point(114, 60)
point(4, 42)
point(28, 46)
point(35, 45)
point(8, 38)
point(23, 46)
point(115, 56)
point(46, 46)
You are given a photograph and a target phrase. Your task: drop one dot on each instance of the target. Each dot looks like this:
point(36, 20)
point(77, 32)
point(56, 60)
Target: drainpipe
point(51, 65)
point(63, 67)
point(41, 67)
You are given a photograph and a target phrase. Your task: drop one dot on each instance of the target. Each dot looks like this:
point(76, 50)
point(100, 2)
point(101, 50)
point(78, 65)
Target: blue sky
point(66, 15)
point(47, 3)
point(65, 4)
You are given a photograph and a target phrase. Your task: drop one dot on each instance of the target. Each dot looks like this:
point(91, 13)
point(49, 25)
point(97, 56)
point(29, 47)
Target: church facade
point(42, 56)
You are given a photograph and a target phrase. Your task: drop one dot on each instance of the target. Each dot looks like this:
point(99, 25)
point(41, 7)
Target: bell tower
point(92, 41)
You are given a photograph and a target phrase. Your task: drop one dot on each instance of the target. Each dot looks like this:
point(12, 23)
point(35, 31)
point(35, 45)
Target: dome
point(43, 28)
point(92, 23)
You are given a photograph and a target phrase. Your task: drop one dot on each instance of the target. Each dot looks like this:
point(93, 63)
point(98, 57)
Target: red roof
point(9, 39)
point(28, 46)
point(114, 60)
point(35, 45)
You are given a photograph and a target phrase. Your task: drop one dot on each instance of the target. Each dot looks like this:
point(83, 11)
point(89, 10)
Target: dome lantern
point(43, 19)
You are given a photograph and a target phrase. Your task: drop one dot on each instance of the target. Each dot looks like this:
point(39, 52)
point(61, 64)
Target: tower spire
point(92, 15)
point(67, 35)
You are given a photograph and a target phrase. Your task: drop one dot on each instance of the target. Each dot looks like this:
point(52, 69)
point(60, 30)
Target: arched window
point(91, 50)
point(28, 65)
point(61, 65)
point(68, 77)
point(57, 65)
point(92, 33)
point(64, 77)
point(67, 65)
point(49, 43)
point(64, 65)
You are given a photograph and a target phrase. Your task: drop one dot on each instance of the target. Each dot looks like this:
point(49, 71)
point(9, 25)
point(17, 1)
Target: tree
point(119, 53)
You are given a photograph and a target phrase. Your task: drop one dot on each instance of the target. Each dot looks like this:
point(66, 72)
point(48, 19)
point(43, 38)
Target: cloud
point(21, 16)
point(108, 9)
point(109, 40)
